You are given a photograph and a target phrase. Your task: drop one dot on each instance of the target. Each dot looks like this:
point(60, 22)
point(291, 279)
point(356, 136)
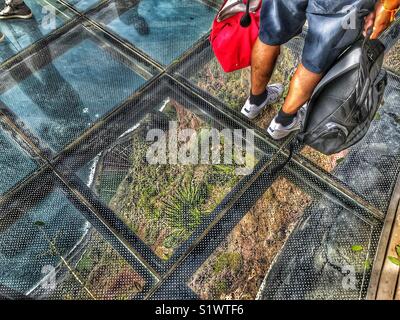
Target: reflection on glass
point(68, 95)
point(60, 255)
point(22, 33)
point(163, 29)
point(84, 5)
point(15, 164)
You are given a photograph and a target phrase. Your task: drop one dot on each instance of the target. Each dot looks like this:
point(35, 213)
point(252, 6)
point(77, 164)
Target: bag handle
point(293, 147)
point(364, 91)
point(245, 21)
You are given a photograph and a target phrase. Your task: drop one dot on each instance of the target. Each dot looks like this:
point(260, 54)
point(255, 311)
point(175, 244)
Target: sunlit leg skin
point(301, 88)
point(263, 62)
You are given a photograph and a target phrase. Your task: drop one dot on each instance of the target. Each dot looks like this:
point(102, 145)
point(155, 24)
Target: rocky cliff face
point(318, 261)
point(392, 60)
point(236, 269)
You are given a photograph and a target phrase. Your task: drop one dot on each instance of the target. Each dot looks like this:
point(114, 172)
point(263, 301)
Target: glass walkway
point(83, 215)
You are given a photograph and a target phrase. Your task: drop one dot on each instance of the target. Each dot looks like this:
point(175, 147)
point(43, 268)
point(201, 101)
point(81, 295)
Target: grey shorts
point(332, 26)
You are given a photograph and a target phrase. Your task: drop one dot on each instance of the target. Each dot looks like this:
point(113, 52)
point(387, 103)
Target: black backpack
point(341, 109)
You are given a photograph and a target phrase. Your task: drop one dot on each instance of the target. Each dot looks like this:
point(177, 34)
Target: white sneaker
point(275, 91)
point(278, 131)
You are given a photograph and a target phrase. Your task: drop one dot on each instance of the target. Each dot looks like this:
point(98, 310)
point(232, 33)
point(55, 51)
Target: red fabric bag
point(231, 40)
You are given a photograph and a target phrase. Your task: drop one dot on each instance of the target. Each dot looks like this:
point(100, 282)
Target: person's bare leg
point(301, 88)
point(263, 62)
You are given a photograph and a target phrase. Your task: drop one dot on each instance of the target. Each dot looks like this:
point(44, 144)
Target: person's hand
point(369, 22)
point(379, 20)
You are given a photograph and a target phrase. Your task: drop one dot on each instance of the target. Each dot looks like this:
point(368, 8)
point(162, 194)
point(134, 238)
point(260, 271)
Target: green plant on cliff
point(54, 251)
point(396, 260)
point(228, 260)
point(183, 210)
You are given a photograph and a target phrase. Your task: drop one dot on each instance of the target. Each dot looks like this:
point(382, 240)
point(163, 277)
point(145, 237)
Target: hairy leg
point(301, 88)
point(263, 62)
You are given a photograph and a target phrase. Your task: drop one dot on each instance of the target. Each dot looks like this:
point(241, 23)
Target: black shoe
point(19, 11)
point(1, 37)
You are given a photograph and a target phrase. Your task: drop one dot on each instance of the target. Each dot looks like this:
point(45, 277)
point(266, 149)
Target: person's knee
point(314, 66)
point(276, 50)
point(276, 37)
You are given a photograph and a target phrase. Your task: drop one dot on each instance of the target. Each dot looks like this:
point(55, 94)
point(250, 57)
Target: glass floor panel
point(60, 255)
point(102, 273)
point(84, 5)
point(15, 162)
point(55, 103)
point(329, 254)
point(164, 203)
point(250, 249)
point(163, 29)
point(47, 17)
point(392, 60)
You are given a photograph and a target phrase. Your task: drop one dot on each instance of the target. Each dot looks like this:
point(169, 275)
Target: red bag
point(231, 40)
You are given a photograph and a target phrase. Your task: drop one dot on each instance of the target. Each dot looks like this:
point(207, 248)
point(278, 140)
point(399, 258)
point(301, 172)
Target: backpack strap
point(294, 145)
point(348, 63)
